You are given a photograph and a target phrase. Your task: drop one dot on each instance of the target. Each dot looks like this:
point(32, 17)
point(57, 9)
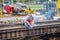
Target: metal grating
point(28, 34)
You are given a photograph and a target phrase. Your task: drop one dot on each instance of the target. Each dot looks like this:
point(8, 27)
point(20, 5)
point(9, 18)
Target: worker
point(28, 21)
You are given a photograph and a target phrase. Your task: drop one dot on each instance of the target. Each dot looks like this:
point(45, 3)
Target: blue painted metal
point(49, 6)
point(6, 2)
point(50, 10)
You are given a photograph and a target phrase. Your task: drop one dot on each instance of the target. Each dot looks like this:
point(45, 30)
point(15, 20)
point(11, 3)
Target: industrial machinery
point(9, 8)
point(21, 8)
point(50, 10)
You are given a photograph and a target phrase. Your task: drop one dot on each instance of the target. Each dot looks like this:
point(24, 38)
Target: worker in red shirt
point(28, 21)
point(8, 9)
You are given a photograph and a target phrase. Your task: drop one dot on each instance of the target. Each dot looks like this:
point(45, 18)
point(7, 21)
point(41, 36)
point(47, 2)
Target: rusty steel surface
point(37, 25)
point(20, 32)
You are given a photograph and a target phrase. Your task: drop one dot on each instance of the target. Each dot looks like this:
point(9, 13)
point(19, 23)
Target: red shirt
point(29, 20)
